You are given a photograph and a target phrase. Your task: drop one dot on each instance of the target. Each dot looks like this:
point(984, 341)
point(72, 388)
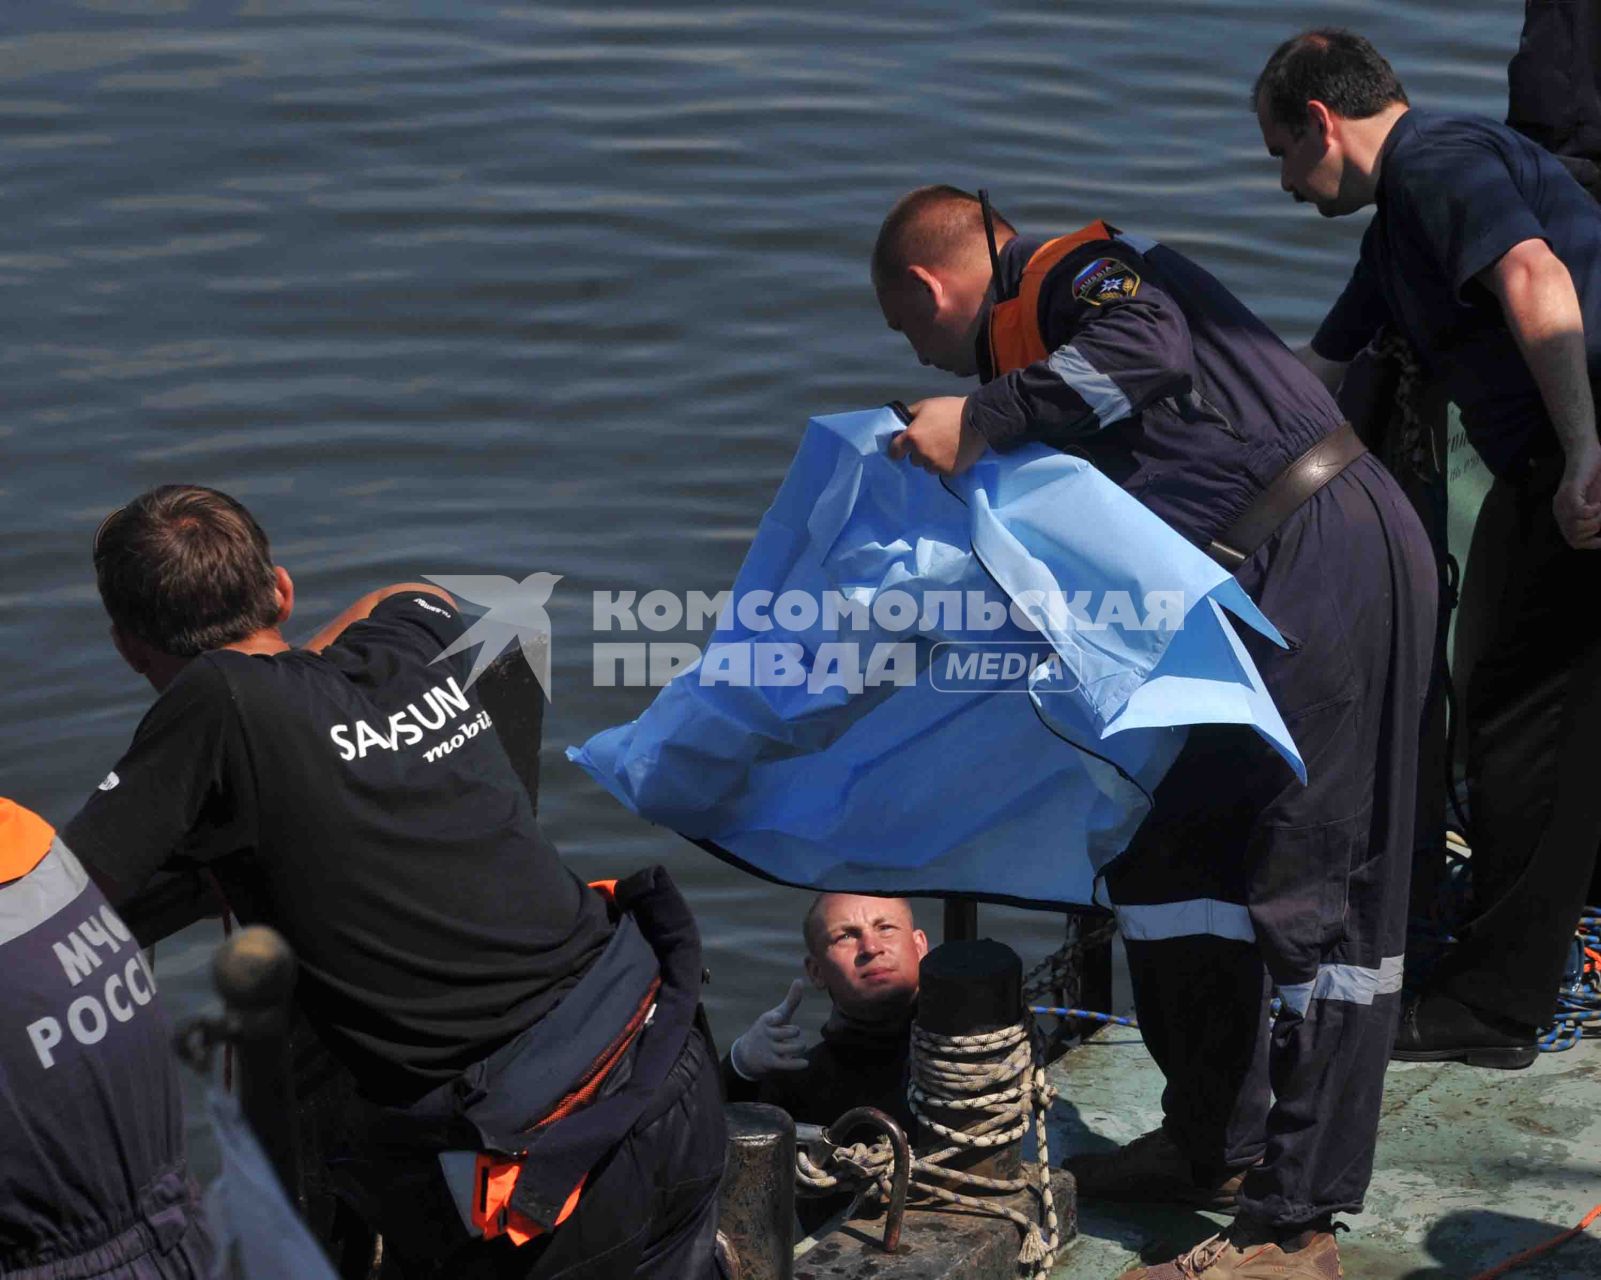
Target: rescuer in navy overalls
point(93, 1180)
point(541, 1093)
point(1242, 881)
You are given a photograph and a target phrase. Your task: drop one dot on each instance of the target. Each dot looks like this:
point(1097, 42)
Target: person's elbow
point(1527, 275)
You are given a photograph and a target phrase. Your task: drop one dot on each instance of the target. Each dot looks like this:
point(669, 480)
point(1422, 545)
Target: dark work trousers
point(1532, 709)
point(648, 1210)
point(1243, 881)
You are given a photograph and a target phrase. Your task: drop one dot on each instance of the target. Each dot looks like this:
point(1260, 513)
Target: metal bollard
point(254, 973)
point(968, 988)
point(757, 1196)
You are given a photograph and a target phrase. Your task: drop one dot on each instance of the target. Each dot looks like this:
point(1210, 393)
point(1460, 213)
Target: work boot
point(1149, 1169)
point(1436, 1028)
point(1243, 1253)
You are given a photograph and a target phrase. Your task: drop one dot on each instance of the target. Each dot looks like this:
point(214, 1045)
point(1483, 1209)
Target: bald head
point(864, 951)
point(940, 228)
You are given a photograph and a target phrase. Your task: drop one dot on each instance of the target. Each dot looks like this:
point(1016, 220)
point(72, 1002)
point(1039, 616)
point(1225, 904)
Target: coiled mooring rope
point(950, 1073)
point(1578, 1011)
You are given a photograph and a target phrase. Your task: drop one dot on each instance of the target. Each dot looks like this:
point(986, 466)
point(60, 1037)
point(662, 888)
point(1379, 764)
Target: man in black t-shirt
point(352, 793)
point(1486, 255)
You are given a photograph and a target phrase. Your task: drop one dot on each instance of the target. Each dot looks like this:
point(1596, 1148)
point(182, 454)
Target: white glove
point(773, 1042)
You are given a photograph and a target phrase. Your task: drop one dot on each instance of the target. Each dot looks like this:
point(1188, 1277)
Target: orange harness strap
point(493, 1182)
point(1015, 338)
point(495, 1177)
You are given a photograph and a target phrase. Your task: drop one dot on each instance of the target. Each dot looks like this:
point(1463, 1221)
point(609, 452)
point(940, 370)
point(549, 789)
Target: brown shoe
point(1151, 1169)
point(1311, 1255)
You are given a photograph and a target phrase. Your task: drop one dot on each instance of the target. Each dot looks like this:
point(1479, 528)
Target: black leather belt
point(1285, 496)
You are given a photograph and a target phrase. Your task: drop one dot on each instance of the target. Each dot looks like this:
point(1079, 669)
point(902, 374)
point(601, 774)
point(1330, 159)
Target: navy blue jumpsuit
point(1243, 880)
point(92, 1174)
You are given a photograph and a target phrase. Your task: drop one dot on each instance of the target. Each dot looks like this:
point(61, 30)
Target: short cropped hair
point(932, 226)
point(1339, 68)
point(185, 569)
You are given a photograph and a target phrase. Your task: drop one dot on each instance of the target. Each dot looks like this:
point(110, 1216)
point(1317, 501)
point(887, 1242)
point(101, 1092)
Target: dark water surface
point(460, 287)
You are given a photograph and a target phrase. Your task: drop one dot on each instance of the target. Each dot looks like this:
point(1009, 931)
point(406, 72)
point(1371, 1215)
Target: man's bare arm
point(1537, 297)
point(364, 607)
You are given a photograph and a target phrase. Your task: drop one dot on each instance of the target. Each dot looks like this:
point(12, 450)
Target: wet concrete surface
point(1473, 1166)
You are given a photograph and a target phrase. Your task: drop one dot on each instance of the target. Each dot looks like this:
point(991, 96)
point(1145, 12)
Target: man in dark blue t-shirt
point(1485, 254)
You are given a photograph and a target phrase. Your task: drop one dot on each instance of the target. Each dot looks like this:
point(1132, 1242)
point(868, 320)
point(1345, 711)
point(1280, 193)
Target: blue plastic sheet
point(1014, 786)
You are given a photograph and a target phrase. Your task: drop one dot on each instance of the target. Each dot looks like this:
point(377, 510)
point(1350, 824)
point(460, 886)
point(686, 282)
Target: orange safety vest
point(494, 1177)
point(1015, 337)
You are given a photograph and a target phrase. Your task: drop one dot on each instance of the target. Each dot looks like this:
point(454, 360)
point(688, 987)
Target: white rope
point(949, 1073)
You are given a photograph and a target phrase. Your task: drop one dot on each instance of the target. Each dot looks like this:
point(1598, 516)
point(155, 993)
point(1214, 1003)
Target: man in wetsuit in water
point(864, 951)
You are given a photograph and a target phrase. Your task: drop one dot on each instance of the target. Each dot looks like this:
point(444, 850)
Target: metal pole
point(254, 972)
point(961, 919)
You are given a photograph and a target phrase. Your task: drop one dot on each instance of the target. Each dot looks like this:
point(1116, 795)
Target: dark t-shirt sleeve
point(1460, 202)
point(402, 627)
point(1356, 316)
point(173, 795)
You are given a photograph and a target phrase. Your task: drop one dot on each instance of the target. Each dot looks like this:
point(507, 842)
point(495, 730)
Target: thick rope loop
point(947, 1073)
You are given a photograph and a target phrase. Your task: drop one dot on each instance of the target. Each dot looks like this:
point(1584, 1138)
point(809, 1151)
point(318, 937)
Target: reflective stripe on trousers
point(1210, 917)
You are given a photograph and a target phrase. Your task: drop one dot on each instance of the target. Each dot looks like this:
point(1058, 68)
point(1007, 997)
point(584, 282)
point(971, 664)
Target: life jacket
point(516, 1134)
point(1014, 326)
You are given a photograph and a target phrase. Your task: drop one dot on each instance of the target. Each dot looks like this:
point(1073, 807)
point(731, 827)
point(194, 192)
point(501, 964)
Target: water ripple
point(498, 288)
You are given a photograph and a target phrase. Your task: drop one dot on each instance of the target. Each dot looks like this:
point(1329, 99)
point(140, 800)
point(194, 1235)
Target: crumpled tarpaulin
point(1004, 790)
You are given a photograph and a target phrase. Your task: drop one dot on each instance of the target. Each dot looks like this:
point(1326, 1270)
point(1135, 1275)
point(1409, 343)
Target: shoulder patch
point(1105, 280)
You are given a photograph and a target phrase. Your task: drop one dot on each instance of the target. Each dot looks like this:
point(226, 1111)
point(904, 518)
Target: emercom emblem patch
point(1105, 280)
